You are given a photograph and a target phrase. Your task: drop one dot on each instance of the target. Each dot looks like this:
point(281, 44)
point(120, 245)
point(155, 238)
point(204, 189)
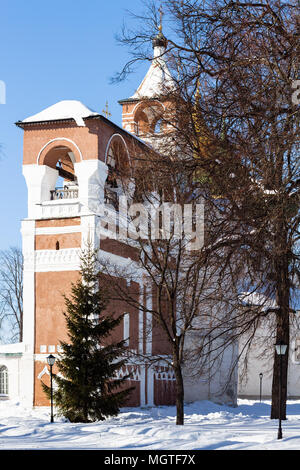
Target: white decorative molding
point(43, 372)
point(128, 369)
point(58, 230)
point(59, 209)
point(42, 357)
point(57, 260)
point(109, 143)
point(164, 374)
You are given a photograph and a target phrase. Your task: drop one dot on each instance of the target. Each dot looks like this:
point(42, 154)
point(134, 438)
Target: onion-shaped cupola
point(160, 40)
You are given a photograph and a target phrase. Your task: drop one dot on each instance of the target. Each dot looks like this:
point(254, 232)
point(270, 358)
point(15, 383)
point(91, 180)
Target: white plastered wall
point(91, 175)
point(27, 363)
point(40, 180)
point(260, 360)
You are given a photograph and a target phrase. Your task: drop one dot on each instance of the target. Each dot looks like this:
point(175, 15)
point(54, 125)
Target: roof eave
point(99, 116)
point(23, 124)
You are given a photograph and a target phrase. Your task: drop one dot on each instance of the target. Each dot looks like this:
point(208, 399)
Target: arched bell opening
point(117, 161)
point(62, 159)
point(148, 119)
point(141, 123)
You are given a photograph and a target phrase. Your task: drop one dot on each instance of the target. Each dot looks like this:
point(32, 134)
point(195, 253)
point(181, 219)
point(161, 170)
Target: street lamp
point(260, 385)
point(280, 350)
point(51, 361)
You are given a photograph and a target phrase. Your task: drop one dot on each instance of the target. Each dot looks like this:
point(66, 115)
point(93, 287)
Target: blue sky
point(52, 51)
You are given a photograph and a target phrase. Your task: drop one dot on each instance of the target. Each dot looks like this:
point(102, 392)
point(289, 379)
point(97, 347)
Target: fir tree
point(86, 389)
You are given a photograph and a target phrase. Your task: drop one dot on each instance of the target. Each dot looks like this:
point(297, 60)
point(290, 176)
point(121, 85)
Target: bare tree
point(176, 279)
point(11, 291)
point(238, 127)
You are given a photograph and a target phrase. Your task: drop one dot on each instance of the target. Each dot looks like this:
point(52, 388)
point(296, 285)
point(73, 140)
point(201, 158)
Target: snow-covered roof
point(158, 81)
point(12, 348)
point(257, 299)
point(66, 109)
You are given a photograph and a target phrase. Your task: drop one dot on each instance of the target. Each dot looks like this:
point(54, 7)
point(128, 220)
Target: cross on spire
point(106, 111)
point(161, 14)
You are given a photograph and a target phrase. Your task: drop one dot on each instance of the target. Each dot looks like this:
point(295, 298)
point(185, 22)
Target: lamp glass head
point(51, 360)
point(280, 349)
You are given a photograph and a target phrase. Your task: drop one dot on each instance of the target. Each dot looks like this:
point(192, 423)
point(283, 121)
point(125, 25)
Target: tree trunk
point(179, 395)
point(21, 329)
point(282, 335)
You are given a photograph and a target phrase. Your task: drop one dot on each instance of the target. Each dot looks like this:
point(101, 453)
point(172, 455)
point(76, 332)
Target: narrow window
point(158, 126)
point(57, 245)
point(297, 350)
point(136, 128)
point(3, 380)
point(126, 329)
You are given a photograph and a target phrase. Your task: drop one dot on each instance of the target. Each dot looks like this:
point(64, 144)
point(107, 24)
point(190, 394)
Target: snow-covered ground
point(207, 426)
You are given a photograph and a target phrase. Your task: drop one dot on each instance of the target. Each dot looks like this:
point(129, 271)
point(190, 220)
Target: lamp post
point(280, 350)
point(51, 361)
point(260, 385)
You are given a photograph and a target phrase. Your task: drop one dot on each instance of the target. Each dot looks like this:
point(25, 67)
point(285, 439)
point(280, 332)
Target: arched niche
point(117, 154)
point(147, 115)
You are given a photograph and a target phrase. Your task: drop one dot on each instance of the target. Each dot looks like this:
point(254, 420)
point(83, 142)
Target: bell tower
point(65, 172)
point(145, 113)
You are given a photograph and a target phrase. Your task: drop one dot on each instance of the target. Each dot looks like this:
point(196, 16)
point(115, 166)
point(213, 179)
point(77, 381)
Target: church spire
point(157, 84)
point(161, 14)
point(159, 42)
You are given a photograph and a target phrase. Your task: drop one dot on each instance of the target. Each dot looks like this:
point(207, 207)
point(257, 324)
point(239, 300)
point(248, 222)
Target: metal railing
point(63, 193)
point(110, 196)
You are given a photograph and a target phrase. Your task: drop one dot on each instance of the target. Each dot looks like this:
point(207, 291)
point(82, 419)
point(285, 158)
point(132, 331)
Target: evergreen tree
point(86, 388)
